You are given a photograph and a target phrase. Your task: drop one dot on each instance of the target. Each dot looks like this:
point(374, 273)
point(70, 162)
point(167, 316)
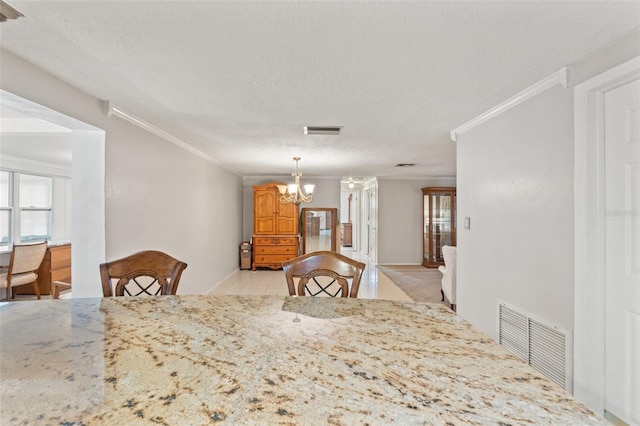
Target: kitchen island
point(182, 360)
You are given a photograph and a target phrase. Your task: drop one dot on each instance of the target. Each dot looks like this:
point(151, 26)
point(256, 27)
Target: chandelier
point(293, 193)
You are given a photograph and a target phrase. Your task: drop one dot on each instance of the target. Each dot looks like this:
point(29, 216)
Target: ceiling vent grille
point(322, 130)
point(544, 346)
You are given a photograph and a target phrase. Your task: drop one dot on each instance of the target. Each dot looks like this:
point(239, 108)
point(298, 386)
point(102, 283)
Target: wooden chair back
point(23, 267)
point(146, 273)
point(323, 273)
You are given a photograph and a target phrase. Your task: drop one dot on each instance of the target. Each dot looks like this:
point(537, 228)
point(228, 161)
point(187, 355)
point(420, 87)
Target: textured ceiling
point(239, 80)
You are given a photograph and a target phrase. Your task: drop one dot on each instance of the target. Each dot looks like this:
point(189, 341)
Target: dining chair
point(146, 273)
point(448, 270)
point(323, 273)
point(23, 267)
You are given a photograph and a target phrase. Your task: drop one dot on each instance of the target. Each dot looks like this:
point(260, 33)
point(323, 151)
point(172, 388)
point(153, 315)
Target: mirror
point(319, 229)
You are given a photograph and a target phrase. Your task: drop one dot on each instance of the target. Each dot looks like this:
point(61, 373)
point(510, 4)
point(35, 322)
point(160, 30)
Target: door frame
point(589, 232)
point(371, 206)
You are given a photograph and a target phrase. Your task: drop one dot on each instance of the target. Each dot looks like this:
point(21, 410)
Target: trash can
point(245, 255)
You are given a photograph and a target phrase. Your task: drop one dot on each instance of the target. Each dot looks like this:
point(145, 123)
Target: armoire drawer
point(261, 259)
point(274, 241)
point(275, 250)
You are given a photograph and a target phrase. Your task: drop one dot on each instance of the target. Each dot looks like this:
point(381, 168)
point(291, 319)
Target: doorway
point(358, 207)
point(86, 146)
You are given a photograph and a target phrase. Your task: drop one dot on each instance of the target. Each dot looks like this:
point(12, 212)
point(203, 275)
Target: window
point(5, 211)
point(25, 208)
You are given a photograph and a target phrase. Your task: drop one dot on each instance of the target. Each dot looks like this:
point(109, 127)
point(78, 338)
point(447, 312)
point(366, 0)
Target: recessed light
point(322, 130)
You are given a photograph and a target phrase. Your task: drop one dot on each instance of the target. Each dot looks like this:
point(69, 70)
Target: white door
point(622, 252)
point(364, 244)
point(373, 222)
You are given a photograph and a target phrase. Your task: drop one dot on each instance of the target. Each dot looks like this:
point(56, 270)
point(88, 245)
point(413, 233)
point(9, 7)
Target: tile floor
point(374, 284)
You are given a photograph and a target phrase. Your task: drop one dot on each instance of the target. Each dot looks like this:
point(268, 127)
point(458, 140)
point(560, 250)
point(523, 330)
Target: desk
point(245, 360)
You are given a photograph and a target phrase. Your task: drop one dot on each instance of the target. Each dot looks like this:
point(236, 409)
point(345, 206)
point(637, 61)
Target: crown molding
point(28, 165)
point(562, 76)
point(8, 12)
point(110, 109)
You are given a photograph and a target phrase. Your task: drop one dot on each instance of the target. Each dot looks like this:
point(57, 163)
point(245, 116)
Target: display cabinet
point(439, 223)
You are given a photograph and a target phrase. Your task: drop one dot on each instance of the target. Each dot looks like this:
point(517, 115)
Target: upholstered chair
point(23, 267)
point(448, 270)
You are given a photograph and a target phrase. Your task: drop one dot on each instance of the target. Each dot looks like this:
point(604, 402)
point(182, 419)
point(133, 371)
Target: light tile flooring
point(374, 284)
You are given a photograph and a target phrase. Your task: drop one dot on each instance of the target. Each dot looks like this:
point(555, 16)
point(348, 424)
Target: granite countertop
point(181, 360)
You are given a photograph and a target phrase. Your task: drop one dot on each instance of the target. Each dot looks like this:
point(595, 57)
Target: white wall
point(87, 212)
point(162, 197)
point(515, 182)
point(400, 218)
point(157, 195)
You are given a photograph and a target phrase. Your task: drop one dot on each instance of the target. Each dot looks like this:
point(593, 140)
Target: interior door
point(373, 222)
point(365, 222)
point(622, 252)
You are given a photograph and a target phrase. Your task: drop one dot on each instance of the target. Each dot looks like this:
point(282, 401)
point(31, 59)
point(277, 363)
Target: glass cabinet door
point(439, 223)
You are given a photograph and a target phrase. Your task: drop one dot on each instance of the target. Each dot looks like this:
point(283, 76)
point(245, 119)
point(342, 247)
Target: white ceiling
point(239, 80)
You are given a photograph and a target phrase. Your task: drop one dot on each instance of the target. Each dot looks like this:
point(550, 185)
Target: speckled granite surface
point(182, 360)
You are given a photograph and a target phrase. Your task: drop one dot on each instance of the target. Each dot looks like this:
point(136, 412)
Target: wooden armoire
point(275, 227)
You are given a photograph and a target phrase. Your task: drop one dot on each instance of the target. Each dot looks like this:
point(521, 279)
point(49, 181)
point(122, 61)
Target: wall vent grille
point(544, 346)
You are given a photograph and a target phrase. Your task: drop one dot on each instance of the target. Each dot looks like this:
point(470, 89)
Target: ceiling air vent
point(322, 130)
point(405, 165)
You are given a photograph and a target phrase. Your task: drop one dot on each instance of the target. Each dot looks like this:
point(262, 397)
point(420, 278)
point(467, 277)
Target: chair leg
point(59, 286)
point(36, 289)
point(453, 307)
point(442, 292)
